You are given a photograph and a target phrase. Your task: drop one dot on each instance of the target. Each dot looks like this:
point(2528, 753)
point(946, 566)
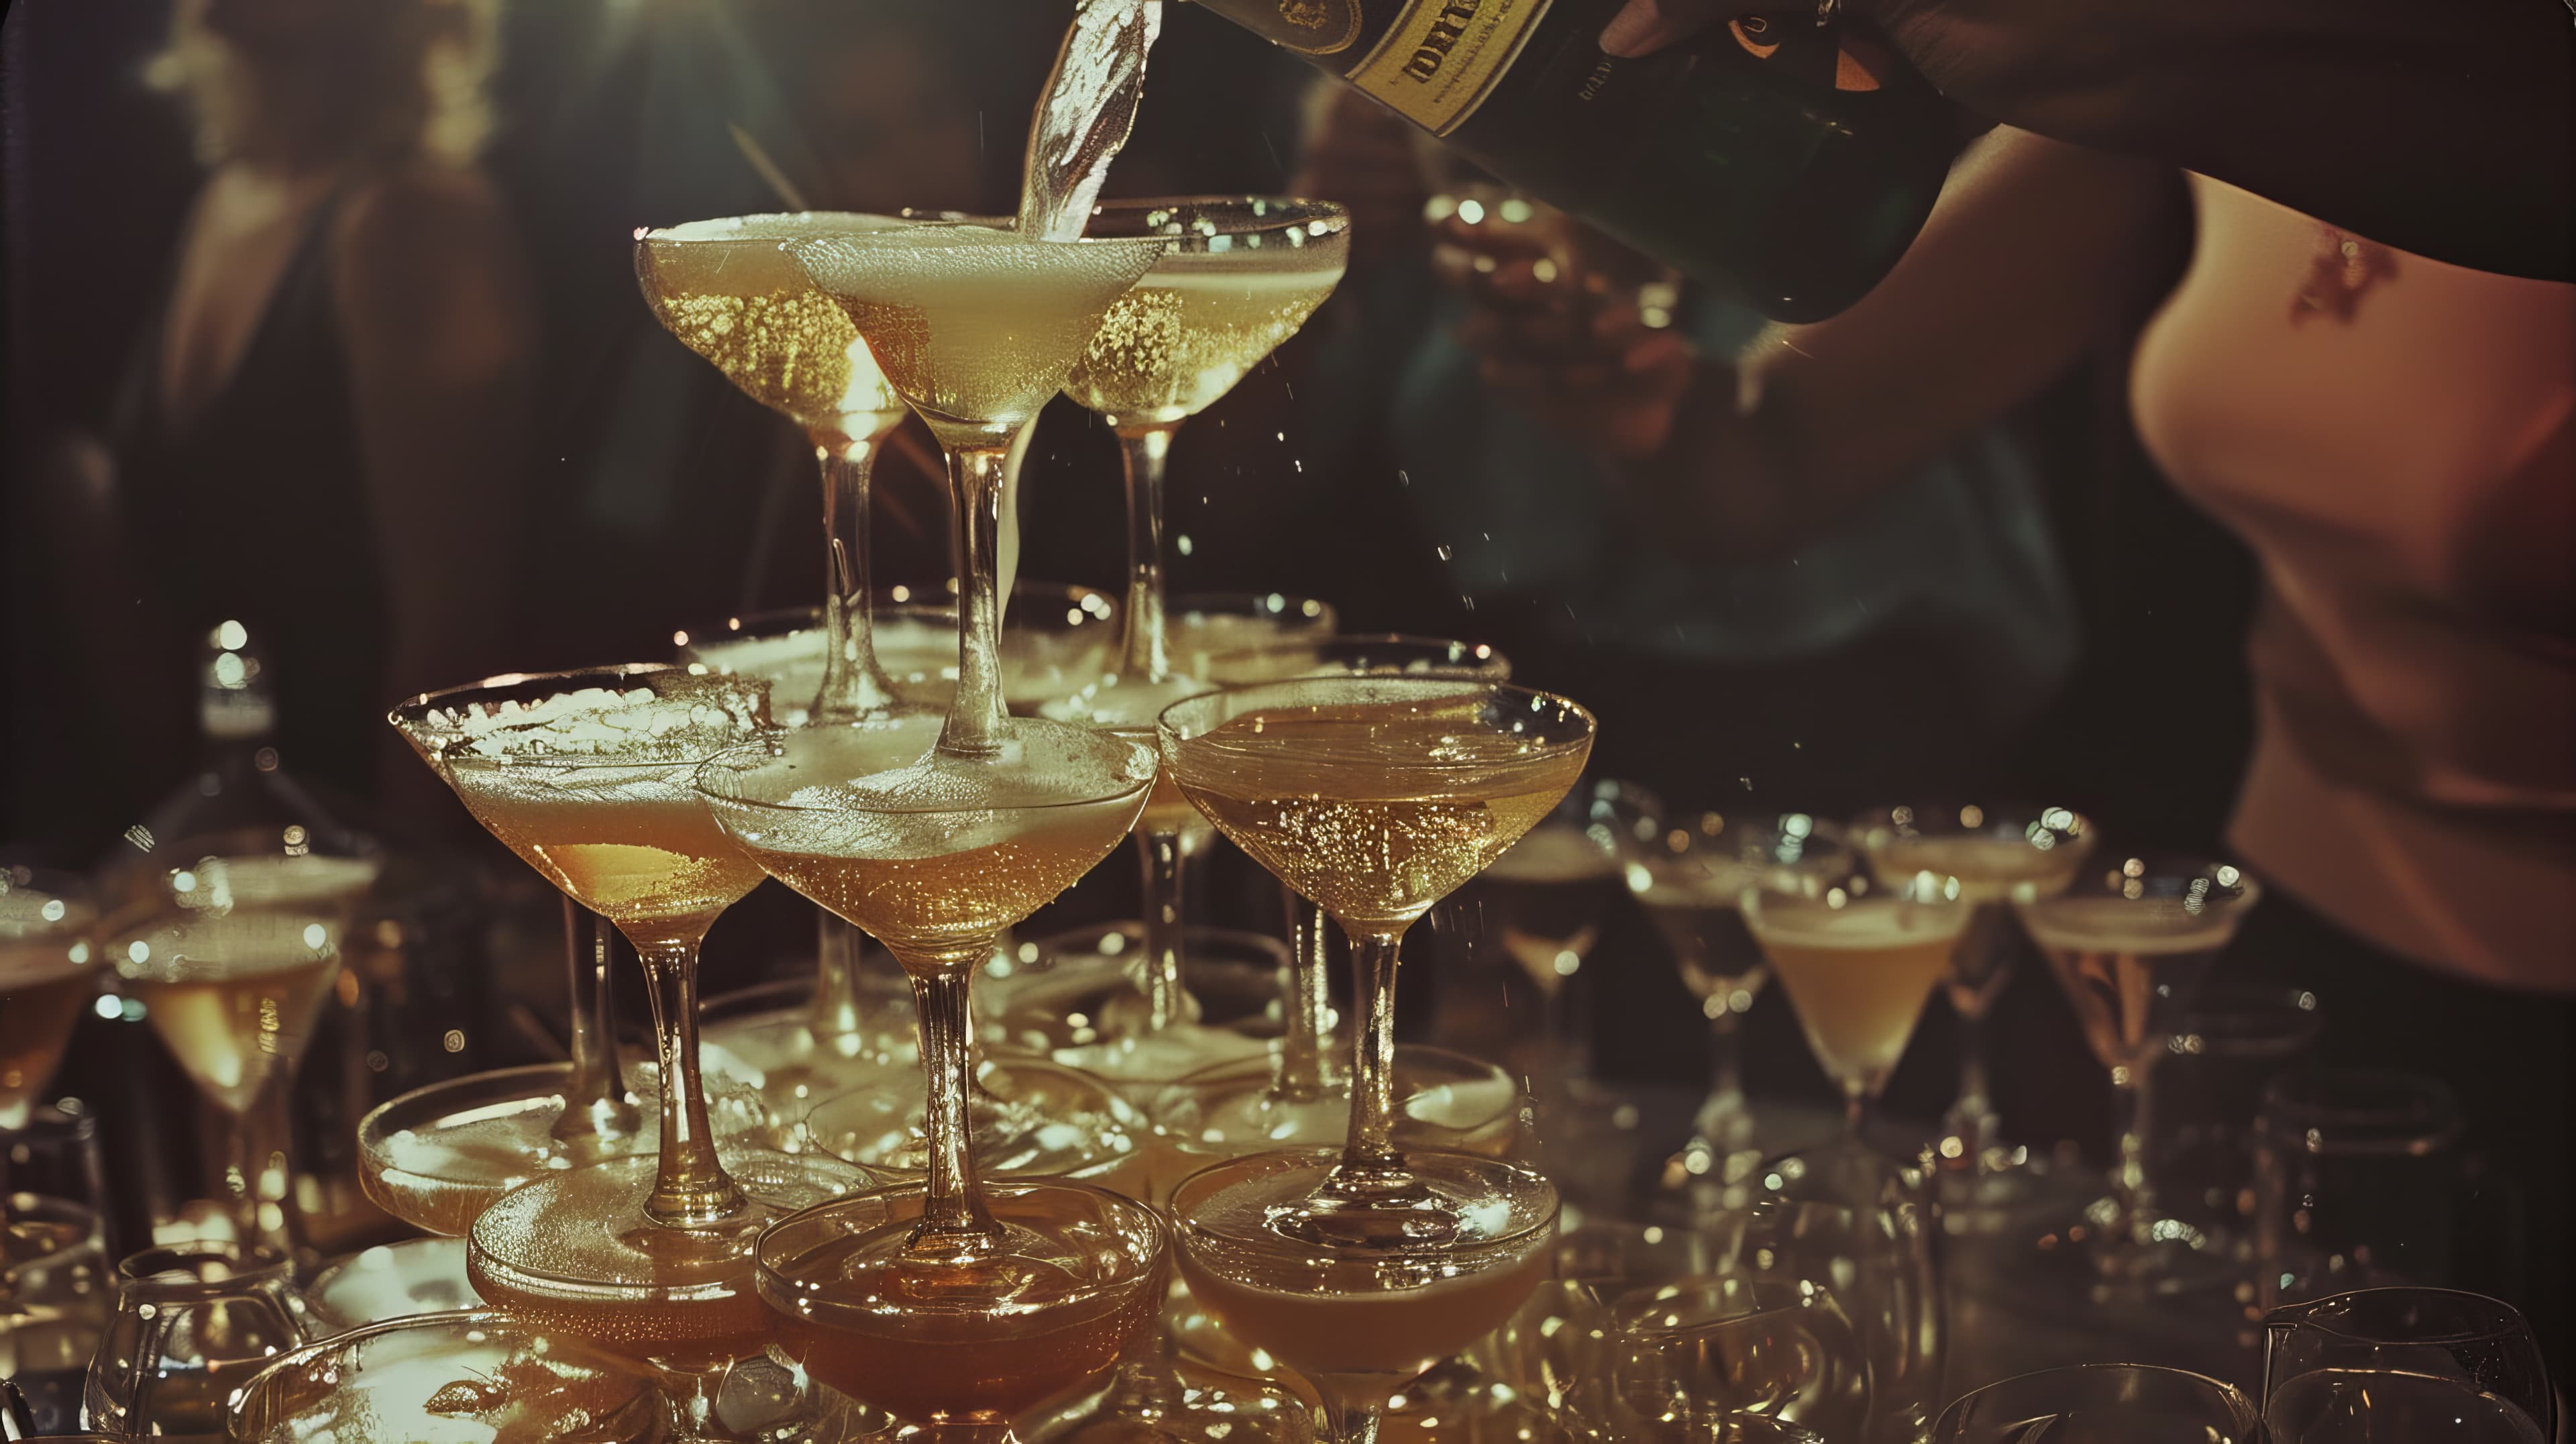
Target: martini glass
point(1859, 957)
point(48, 974)
point(1996, 851)
point(234, 997)
point(585, 776)
point(2130, 947)
point(947, 1301)
point(1689, 872)
point(1374, 797)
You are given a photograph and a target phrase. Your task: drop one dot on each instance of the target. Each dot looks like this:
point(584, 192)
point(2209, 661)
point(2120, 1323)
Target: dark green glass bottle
point(1785, 163)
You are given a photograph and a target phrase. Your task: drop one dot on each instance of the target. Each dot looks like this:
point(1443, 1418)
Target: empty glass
point(1700, 1350)
point(2359, 1177)
point(2233, 1042)
point(54, 1298)
point(2404, 1366)
point(1876, 1257)
point(2101, 1404)
point(192, 1322)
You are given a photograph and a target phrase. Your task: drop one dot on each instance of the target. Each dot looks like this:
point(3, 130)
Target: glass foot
point(1033, 1120)
point(436, 1157)
point(574, 1253)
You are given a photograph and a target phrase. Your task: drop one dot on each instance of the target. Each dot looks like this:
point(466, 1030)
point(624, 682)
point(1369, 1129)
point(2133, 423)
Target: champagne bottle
point(1783, 162)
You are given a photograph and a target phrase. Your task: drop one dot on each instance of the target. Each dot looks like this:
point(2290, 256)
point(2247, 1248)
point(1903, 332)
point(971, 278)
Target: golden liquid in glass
point(1374, 811)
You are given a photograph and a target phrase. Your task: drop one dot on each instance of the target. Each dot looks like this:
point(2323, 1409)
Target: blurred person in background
point(319, 434)
point(2395, 438)
point(1781, 676)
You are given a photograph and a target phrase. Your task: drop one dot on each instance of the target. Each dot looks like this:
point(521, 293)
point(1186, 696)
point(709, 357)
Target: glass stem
point(854, 686)
point(691, 1189)
point(597, 1102)
point(258, 1179)
point(2129, 1175)
point(1369, 1156)
point(975, 716)
point(1725, 1053)
point(835, 1011)
point(1855, 1112)
point(1147, 658)
point(1303, 1070)
point(1166, 1001)
point(1352, 1406)
point(953, 1224)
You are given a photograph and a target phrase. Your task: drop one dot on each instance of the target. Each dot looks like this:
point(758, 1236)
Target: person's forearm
point(2439, 129)
point(2037, 251)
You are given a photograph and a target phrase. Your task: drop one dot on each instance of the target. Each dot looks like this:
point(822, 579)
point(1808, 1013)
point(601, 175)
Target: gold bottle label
point(1440, 58)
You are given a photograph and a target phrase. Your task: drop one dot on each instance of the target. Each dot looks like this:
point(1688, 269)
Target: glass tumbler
point(2101, 1404)
point(2360, 1182)
point(2405, 1366)
point(192, 1322)
point(53, 1303)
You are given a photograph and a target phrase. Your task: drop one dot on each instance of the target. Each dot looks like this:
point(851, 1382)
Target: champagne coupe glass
point(1241, 276)
point(1689, 871)
point(730, 292)
point(1996, 851)
point(48, 973)
point(234, 997)
point(907, 1296)
point(2423, 1366)
point(464, 1375)
point(1859, 959)
point(1310, 1082)
point(2101, 1404)
point(2130, 947)
point(1374, 797)
point(585, 776)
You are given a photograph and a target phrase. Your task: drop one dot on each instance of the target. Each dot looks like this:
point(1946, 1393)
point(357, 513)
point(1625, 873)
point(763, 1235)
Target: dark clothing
point(255, 510)
point(2504, 1055)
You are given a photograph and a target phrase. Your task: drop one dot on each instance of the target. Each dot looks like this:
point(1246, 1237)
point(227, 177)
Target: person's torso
point(2392, 435)
point(250, 502)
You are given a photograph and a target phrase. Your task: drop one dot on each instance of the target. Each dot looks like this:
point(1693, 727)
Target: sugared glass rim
point(768, 1278)
point(1168, 726)
point(407, 712)
point(765, 748)
point(654, 237)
